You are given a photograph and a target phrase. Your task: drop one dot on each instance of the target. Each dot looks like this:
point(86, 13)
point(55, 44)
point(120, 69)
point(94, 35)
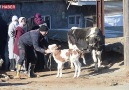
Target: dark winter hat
point(38, 19)
point(43, 28)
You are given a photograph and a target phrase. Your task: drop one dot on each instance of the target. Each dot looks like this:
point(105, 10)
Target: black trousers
point(26, 53)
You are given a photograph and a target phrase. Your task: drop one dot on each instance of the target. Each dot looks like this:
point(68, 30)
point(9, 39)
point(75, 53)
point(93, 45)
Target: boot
point(12, 65)
point(18, 72)
point(31, 73)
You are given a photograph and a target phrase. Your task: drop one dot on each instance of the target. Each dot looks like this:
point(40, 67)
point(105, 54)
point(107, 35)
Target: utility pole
point(100, 15)
point(126, 32)
point(100, 20)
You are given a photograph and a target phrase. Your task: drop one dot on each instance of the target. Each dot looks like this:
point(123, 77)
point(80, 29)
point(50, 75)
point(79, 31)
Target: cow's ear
point(98, 38)
point(59, 46)
point(86, 39)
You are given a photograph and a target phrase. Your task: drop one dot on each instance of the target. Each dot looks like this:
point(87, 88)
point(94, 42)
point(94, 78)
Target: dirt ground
point(113, 74)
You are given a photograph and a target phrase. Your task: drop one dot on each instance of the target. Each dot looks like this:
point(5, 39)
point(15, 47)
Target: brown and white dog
point(62, 56)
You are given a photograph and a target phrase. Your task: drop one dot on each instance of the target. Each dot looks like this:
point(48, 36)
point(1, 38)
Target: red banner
point(8, 6)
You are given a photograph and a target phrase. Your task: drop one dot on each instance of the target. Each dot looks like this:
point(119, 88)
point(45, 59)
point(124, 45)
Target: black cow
point(88, 40)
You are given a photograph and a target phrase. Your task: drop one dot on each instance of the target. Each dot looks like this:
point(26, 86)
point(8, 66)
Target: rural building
point(58, 14)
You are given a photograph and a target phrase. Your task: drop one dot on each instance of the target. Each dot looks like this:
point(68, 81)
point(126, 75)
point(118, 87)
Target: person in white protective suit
point(11, 34)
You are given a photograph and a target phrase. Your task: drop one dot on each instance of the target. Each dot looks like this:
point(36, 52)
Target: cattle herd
point(80, 41)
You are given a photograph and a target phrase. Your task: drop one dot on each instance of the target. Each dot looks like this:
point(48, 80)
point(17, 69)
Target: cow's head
point(92, 36)
point(96, 41)
point(53, 47)
point(92, 41)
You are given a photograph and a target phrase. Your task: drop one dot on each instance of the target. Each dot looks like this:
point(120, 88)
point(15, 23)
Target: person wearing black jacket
point(29, 41)
point(34, 23)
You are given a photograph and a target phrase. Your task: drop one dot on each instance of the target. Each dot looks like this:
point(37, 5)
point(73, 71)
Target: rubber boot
point(31, 73)
point(12, 64)
point(18, 72)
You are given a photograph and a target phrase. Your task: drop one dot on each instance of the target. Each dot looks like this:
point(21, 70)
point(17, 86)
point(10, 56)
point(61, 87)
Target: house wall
point(54, 9)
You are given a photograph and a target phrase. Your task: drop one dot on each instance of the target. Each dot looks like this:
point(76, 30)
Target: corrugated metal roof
point(88, 2)
point(113, 7)
point(27, 0)
point(110, 6)
point(92, 0)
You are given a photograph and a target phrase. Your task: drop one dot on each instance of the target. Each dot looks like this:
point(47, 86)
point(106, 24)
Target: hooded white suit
point(11, 32)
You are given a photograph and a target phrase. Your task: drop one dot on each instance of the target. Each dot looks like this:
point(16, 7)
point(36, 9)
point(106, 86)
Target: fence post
point(126, 31)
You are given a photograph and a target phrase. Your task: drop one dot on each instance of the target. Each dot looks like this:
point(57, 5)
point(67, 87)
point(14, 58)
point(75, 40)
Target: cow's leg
point(95, 59)
point(58, 70)
point(99, 62)
point(76, 69)
point(79, 68)
point(84, 61)
point(61, 67)
point(99, 58)
point(71, 65)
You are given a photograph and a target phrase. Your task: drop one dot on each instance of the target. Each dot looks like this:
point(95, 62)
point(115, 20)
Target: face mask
point(15, 23)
